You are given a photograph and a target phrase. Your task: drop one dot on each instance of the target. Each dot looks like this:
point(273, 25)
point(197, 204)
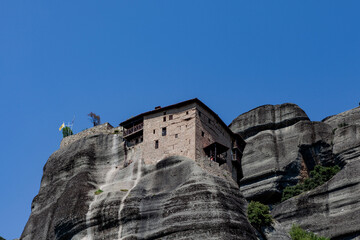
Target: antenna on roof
point(72, 122)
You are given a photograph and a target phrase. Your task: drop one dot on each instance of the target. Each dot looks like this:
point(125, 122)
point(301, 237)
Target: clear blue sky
point(120, 58)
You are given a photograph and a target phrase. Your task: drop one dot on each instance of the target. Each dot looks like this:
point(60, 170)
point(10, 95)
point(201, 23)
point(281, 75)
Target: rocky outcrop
point(267, 117)
point(87, 192)
point(346, 129)
point(273, 232)
point(282, 146)
point(102, 128)
point(332, 209)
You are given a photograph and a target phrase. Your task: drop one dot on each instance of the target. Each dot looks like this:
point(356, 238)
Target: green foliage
point(318, 176)
point(116, 131)
point(99, 191)
point(1, 238)
point(297, 233)
point(66, 131)
point(259, 215)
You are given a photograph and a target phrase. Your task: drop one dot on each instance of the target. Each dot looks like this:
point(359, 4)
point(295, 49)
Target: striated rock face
point(279, 154)
point(273, 232)
point(282, 146)
point(174, 199)
point(267, 117)
point(332, 209)
point(346, 129)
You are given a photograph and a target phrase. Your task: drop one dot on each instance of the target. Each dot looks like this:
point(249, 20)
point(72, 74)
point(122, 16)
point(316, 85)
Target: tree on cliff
point(95, 119)
point(1, 238)
point(66, 131)
point(259, 215)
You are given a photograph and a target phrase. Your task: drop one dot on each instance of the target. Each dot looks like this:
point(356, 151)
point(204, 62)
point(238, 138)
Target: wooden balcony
point(134, 129)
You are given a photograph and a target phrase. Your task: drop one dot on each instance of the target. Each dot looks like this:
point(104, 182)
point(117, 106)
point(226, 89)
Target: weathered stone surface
point(267, 117)
point(103, 128)
point(346, 129)
point(174, 199)
point(281, 148)
point(332, 209)
point(350, 117)
point(274, 232)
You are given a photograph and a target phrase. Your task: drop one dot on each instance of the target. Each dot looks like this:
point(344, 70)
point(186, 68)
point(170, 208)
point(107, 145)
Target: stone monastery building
point(189, 129)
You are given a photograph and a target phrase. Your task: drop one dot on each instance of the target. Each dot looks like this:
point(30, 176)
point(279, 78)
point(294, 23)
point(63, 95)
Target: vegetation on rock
point(297, 233)
point(99, 191)
point(66, 131)
point(259, 215)
point(318, 176)
point(1, 238)
point(95, 119)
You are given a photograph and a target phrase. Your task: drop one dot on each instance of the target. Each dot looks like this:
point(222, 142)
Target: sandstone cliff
point(174, 199)
point(332, 209)
point(283, 145)
point(177, 199)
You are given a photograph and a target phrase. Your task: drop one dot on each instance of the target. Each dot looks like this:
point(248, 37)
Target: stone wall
point(208, 131)
point(179, 138)
point(105, 128)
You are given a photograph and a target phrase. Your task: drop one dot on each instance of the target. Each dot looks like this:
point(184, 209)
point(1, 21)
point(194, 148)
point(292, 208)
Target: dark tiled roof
point(177, 105)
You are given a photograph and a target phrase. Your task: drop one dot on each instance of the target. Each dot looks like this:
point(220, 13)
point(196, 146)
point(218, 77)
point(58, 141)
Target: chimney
point(158, 107)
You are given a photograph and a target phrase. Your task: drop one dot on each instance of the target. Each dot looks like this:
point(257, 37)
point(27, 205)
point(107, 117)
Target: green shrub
point(297, 233)
point(318, 176)
point(99, 191)
point(259, 215)
point(1, 238)
point(66, 131)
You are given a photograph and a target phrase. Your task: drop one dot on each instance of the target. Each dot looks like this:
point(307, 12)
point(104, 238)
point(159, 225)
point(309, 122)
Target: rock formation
point(174, 199)
point(332, 209)
point(89, 191)
point(283, 145)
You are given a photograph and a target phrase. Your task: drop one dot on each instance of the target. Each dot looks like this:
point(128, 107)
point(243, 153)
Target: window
point(164, 131)
point(209, 120)
point(187, 112)
point(137, 140)
point(156, 144)
point(199, 114)
point(164, 113)
point(170, 117)
point(164, 119)
point(154, 131)
point(176, 135)
point(141, 139)
point(202, 133)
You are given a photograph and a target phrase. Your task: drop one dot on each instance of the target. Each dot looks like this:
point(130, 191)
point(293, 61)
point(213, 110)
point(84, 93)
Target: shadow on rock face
point(174, 199)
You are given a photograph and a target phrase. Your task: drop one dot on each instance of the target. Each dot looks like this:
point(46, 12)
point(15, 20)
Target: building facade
point(189, 129)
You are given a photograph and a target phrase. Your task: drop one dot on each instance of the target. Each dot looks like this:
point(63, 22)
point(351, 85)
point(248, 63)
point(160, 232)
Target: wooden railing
point(133, 129)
